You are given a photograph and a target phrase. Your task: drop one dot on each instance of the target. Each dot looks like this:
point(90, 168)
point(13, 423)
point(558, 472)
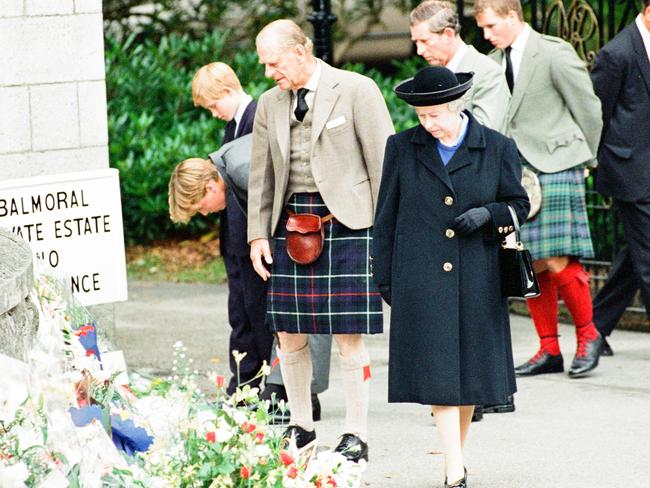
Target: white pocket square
point(335, 122)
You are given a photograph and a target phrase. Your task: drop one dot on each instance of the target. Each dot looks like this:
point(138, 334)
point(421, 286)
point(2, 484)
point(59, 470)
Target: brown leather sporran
point(305, 237)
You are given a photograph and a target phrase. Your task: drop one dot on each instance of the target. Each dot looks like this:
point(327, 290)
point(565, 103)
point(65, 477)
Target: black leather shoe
point(352, 448)
point(303, 438)
point(586, 358)
point(461, 483)
point(541, 363)
point(508, 406)
point(606, 349)
point(477, 416)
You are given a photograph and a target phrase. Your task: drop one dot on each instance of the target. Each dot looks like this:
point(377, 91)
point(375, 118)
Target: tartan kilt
point(333, 295)
point(561, 228)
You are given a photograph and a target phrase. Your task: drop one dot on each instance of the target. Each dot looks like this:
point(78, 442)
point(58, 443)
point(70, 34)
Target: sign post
point(73, 223)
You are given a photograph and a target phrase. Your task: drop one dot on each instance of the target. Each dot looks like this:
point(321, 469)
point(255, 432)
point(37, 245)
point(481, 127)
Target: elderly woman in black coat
point(441, 216)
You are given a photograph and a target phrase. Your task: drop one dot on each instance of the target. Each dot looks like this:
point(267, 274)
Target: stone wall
point(52, 89)
point(18, 315)
point(53, 94)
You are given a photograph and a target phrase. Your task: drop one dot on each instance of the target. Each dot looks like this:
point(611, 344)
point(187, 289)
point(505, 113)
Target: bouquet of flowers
point(79, 424)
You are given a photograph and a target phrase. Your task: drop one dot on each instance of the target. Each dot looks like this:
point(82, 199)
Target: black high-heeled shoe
point(461, 483)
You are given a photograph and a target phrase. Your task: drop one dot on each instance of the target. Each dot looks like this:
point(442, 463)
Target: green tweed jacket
point(554, 115)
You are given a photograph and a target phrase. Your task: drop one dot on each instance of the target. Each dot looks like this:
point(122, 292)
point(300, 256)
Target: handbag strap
point(515, 221)
point(327, 218)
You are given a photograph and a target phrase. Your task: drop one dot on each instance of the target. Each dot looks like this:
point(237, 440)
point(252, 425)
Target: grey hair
point(457, 105)
point(438, 14)
point(287, 35)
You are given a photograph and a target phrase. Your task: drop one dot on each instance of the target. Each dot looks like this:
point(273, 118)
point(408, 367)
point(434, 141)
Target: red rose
point(247, 427)
point(292, 472)
point(286, 458)
point(259, 437)
point(210, 437)
point(245, 472)
point(220, 381)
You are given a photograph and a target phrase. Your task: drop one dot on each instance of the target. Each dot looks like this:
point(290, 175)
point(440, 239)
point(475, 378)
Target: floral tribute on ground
point(68, 418)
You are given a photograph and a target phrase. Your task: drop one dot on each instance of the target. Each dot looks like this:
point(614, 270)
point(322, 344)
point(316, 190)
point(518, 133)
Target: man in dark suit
point(216, 88)
point(621, 77)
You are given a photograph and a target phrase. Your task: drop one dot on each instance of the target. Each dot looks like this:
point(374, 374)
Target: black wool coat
point(449, 331)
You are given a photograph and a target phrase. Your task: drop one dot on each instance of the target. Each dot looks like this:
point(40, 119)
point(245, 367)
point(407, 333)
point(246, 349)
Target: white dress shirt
point(456, 58)
point(311, 85)
point(645, 34)
point(517, 52)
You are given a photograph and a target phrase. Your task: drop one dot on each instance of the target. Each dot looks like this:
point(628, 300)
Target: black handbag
point(517, 275)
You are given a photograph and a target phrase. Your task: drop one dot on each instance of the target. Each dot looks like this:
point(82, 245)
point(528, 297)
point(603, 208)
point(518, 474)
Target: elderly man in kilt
point(318, 147)
point(555, 119)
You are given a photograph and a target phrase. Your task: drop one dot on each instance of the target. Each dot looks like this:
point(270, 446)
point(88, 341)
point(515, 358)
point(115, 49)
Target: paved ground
point(588, 433)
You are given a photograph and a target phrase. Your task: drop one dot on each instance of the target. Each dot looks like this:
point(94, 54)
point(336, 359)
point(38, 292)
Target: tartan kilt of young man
point(333, 295)
point(561, 228)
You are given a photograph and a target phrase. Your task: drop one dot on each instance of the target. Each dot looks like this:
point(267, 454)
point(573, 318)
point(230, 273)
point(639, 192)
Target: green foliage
point(195, 18)
point(153, 124)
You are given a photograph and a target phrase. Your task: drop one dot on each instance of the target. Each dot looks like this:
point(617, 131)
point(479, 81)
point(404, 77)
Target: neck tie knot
point(301, 106)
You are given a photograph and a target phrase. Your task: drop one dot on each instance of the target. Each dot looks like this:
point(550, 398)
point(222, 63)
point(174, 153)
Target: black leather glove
point(472, 220)
point(384, 291)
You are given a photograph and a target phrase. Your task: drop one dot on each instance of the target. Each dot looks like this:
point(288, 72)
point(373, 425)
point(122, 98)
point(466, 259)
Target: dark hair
point(646, 4)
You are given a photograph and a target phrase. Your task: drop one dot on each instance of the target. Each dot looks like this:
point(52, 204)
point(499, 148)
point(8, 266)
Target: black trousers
point(630, 270)
point(247, 317)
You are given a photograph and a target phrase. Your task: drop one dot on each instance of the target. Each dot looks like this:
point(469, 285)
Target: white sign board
point(73, 222)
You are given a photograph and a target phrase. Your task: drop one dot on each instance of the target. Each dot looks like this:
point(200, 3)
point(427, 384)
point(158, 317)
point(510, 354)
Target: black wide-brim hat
point(434, 85)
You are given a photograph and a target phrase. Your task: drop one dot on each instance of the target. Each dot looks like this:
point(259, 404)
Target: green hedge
point(153, 124)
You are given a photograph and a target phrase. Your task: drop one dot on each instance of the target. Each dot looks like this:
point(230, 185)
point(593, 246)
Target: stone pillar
point(53, 94)
point(52, 89)
point(18, 315)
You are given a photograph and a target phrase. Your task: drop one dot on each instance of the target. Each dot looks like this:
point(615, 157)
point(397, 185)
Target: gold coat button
point(447, 267)
point(449, 201)
point(511, 228)
point(450, 233)
point(500, 230)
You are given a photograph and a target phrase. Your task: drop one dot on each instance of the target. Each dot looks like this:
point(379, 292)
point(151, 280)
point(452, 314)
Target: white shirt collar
point(517, 51)
point(520, 42)
point(456, 58)
point(311, 85)
point(645, 34)
point(242, 108)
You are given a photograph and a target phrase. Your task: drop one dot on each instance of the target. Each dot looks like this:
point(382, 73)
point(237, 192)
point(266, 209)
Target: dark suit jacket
point(233, 218)
point(621, 77)
point(448, 319)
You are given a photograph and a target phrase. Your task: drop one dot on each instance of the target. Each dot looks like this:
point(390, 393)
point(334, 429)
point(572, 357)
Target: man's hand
point(472, 220)
point(260, 249)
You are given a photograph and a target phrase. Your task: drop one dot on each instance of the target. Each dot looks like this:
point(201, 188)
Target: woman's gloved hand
point(472, 220)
